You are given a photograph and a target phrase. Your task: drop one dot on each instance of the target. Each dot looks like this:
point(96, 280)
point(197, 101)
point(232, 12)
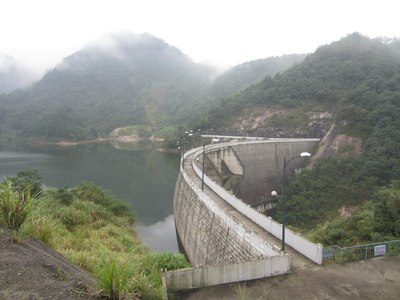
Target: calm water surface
point(137, 173)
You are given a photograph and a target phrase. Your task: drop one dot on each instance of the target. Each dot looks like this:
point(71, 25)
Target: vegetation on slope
point(95, 230)
point(242, 76)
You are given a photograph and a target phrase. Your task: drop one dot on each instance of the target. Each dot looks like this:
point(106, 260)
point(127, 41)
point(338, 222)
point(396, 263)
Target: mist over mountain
point(13, 75)
point(120, 80)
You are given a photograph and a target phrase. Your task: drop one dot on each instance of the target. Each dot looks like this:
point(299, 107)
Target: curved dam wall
point(263, 165)
point(209, 235)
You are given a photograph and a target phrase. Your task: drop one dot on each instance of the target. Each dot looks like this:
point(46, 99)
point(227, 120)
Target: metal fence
point(359, 252)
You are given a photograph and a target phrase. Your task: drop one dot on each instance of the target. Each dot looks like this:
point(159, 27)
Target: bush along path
point(94, 230)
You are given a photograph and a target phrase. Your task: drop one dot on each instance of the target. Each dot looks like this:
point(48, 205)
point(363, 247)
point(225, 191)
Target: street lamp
point(202, 173)
point(285, 164)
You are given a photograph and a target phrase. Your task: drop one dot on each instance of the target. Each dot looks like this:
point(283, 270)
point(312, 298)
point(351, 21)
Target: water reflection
point(161, 231)
point(139, 174)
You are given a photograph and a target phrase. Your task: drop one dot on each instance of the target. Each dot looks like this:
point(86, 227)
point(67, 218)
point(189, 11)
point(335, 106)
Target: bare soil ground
point(31, 270)
point(373, 279)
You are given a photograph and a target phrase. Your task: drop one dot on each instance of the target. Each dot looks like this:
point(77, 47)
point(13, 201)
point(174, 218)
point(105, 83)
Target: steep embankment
point(32, 270)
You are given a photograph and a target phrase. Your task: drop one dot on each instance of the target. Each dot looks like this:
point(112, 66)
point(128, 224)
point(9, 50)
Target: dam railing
point(359, 252)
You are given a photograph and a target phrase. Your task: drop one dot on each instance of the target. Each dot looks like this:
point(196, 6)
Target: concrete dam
point(212, 210)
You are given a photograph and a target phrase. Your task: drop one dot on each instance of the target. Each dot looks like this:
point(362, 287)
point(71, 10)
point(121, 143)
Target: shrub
point(71, 216)
point(15, 207)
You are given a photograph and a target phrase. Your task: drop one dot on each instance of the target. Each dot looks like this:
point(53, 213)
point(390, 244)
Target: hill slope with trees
point(120, 80)
point(242, 76)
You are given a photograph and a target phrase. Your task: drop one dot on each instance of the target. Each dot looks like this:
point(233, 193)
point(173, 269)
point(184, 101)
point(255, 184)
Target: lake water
point(137, 173)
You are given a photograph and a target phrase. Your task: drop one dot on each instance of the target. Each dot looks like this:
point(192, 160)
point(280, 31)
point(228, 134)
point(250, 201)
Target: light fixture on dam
point(285, 164)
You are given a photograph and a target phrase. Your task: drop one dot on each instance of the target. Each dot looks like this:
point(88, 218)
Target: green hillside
point(125, 80)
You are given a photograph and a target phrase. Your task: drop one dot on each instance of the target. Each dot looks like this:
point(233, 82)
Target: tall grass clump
point(114, 277)
point(15, 207)
point(95, 230)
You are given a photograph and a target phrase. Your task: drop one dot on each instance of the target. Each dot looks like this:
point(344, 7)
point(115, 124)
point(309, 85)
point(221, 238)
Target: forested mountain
point(357, 80)
point(12, 75)
point(121, 80)
point(125, 80)
point(241, 76)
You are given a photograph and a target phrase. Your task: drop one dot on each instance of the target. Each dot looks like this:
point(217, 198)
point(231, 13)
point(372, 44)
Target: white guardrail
point(310, 250)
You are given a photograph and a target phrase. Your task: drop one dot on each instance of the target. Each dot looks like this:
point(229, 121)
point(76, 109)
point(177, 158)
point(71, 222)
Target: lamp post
point(202, 174)
point(285, 164)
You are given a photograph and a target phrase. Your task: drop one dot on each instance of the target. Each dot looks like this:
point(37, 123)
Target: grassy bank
point(95, 230)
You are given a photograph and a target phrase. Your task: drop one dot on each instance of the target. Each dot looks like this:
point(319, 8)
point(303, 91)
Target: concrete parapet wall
point(226, 273)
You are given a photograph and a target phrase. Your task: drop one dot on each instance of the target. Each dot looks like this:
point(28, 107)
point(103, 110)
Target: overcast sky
point(41, 32)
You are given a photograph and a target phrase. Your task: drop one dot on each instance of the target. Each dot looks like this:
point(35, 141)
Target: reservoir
point(137, 173)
